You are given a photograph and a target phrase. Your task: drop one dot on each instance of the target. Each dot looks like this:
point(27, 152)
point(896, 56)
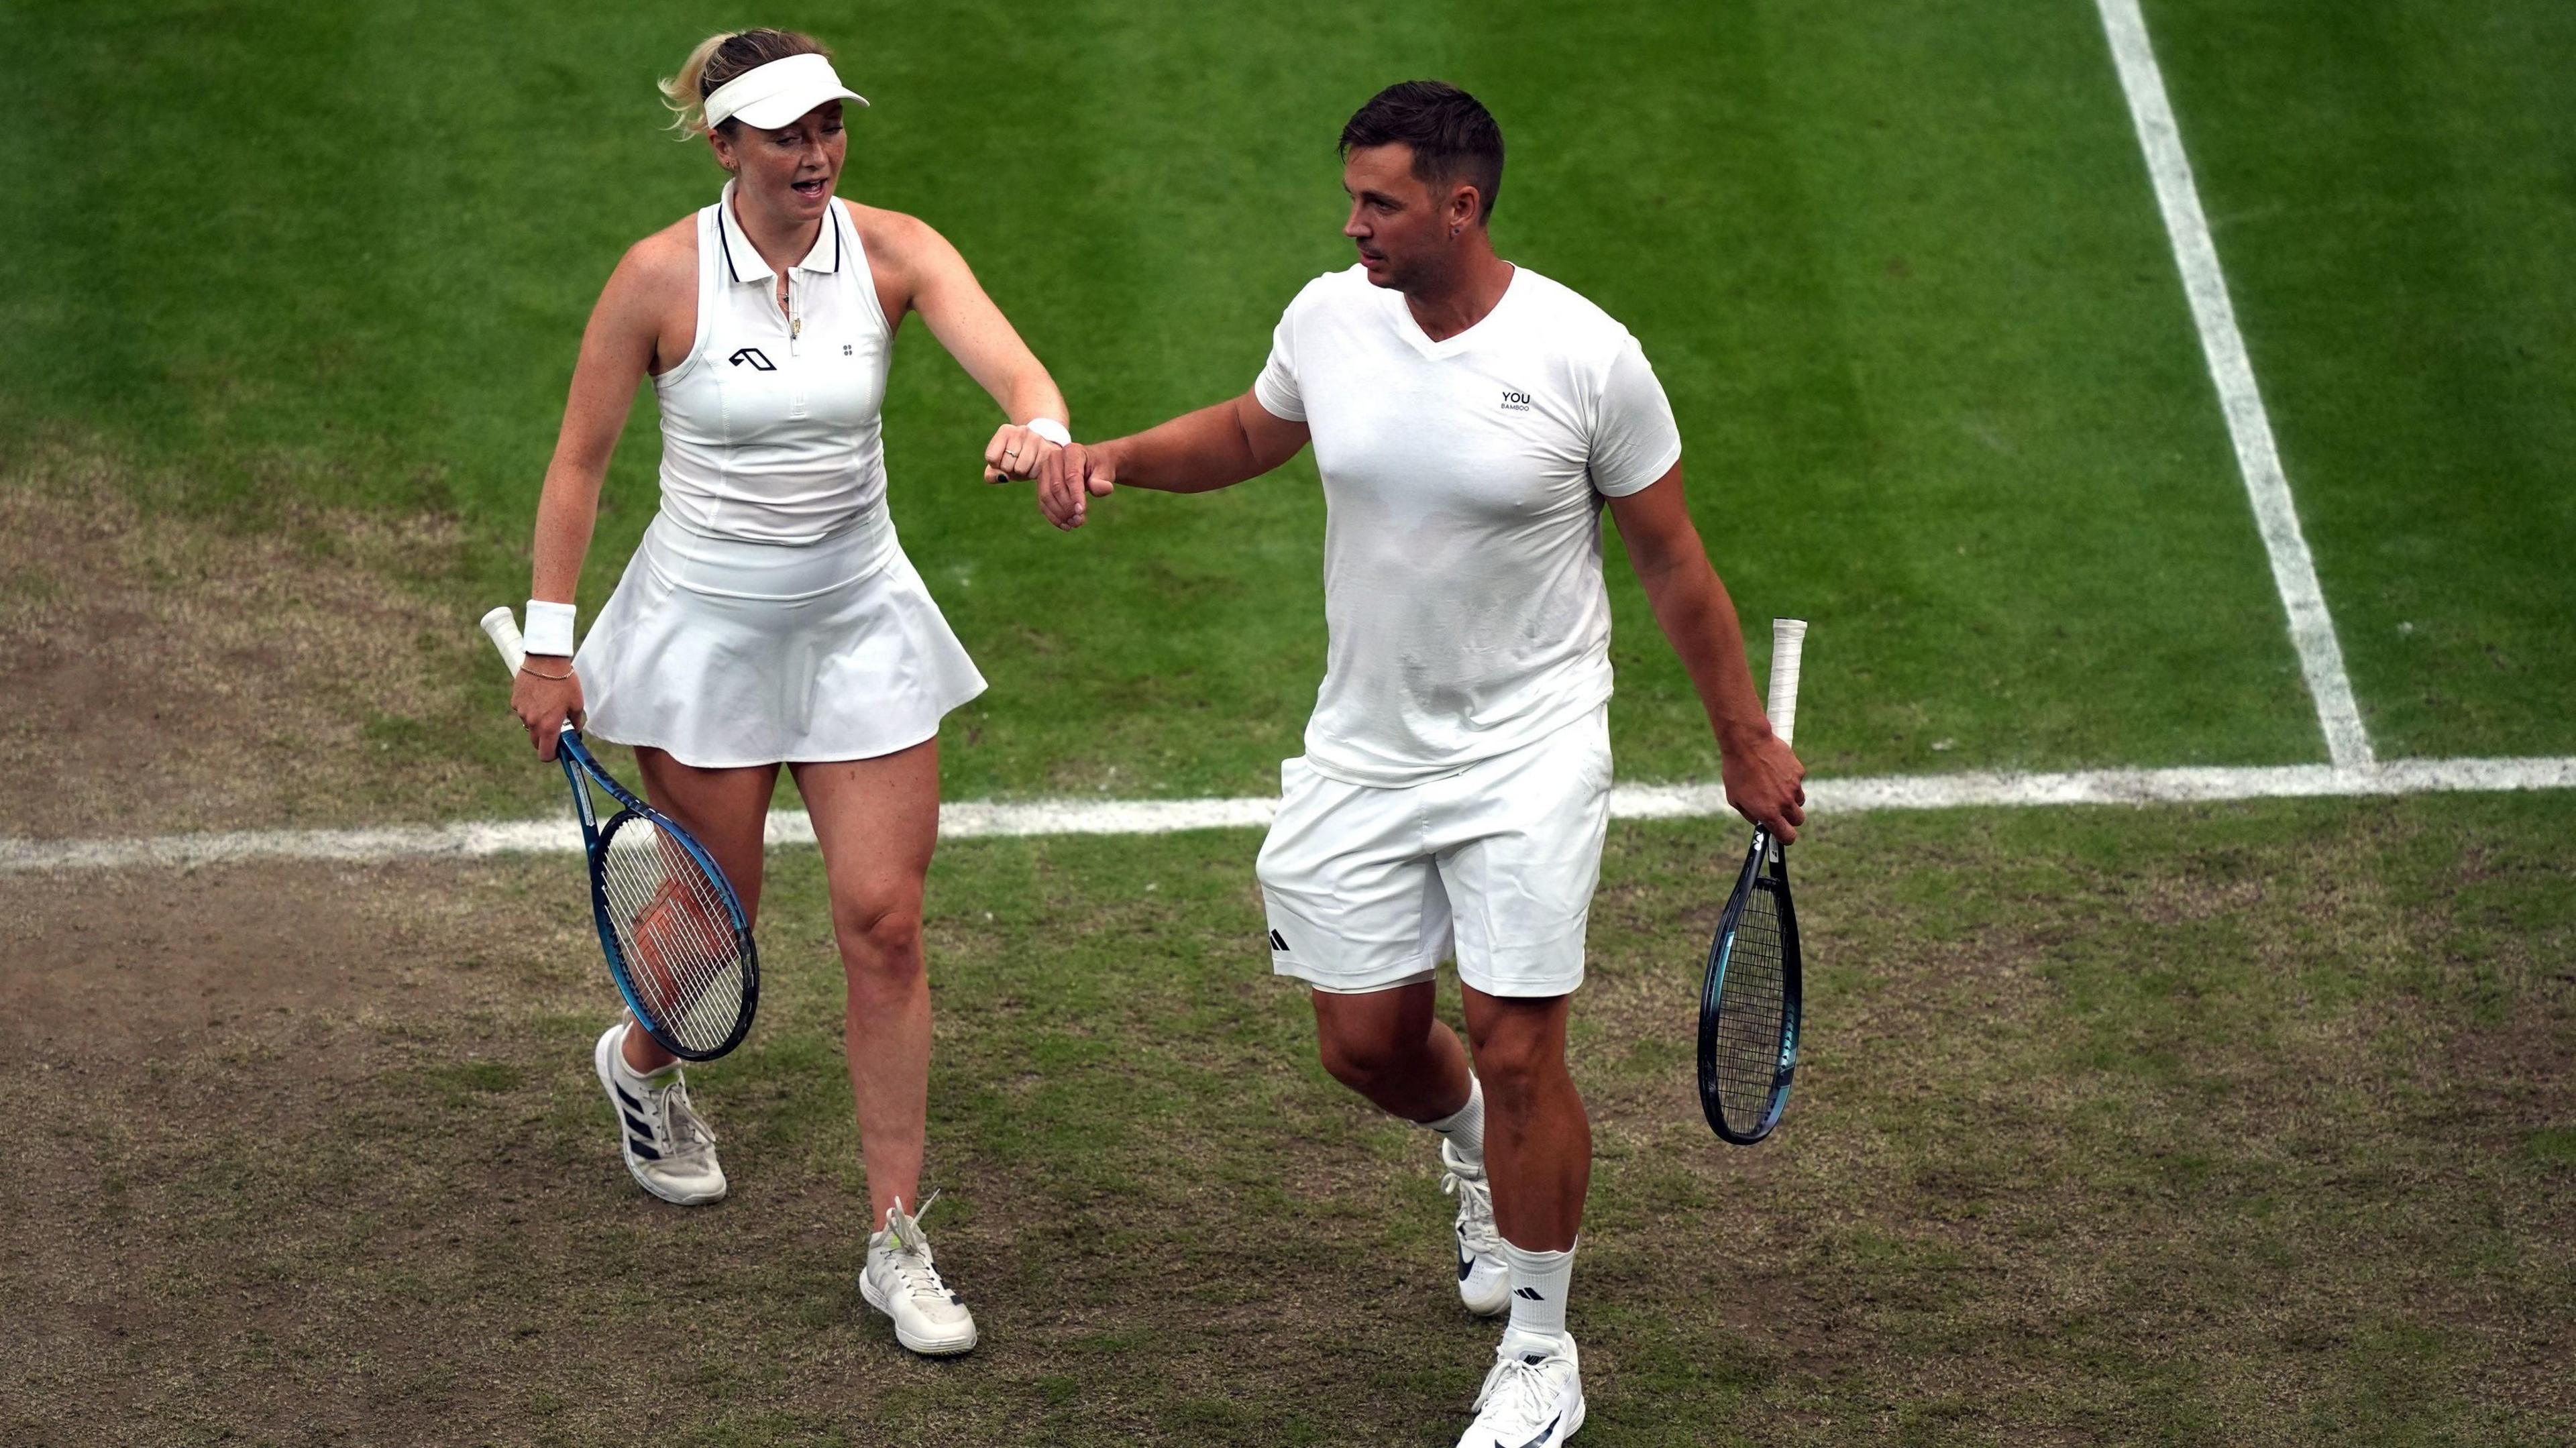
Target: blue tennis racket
point(677, 942)
point(1750, 999)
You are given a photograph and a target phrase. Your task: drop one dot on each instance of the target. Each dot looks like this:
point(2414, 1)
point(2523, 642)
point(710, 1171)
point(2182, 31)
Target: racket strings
point(682, 957)
point(1751, 1011)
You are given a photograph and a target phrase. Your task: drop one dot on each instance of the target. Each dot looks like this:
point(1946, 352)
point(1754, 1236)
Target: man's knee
point(1518, 1051)
point(1512, 1072)
point(1356, 1055)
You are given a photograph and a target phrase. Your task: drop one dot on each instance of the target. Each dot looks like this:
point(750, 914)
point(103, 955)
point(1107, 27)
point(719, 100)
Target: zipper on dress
point(796, 399)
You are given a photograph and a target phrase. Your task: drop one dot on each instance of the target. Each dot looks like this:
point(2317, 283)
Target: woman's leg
point(877, 820)
point(726, 810)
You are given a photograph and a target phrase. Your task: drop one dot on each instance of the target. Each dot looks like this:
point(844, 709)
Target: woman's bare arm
point(616, 353)
point(937, 283)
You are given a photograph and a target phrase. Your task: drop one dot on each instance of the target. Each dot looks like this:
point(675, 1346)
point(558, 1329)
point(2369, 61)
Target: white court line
point(978, 819)
point(2294, 573)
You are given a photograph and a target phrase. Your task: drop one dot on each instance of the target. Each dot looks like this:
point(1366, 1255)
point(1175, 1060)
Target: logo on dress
point(1515, 401)
point(758, 359)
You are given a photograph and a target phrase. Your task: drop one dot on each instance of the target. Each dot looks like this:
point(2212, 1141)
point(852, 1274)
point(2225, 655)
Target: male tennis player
point(1469, 418)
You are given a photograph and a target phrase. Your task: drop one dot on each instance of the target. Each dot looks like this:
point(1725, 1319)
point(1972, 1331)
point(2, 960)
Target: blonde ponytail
point(685, 92)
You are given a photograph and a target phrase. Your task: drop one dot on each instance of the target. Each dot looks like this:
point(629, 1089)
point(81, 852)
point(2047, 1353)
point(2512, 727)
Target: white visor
point(773, 95)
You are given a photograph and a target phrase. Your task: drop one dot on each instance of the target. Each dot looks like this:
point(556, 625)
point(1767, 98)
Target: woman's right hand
point(543, 704)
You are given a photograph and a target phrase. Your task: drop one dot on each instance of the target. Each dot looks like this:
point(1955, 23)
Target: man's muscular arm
point(1197, 452)
point(1764, 780)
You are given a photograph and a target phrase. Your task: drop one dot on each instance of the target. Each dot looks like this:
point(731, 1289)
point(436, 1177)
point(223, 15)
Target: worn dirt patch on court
point(155, 965)
point(204, 1064)
point(163, 673)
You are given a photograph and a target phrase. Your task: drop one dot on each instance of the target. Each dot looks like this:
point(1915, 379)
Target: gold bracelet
point(549, 678)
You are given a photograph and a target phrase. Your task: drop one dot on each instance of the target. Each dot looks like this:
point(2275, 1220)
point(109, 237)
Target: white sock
point(1540, 1281)
point(1464, 1128)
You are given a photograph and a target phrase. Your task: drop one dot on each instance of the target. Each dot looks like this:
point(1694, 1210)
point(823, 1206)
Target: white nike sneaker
point(1484, 1280)
point(901, 1282)
point(669, 1150)
point(1532, 1399)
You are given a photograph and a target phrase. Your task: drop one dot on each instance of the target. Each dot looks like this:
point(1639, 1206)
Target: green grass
point(2392, 185)
point(2237, 1124)
point(1900, 271)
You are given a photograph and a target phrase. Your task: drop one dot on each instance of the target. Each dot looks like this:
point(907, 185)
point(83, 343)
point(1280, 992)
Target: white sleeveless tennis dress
point(770, 615)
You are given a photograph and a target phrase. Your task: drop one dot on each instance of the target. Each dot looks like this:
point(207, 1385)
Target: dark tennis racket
point(677, 943)
point(1748, 1003)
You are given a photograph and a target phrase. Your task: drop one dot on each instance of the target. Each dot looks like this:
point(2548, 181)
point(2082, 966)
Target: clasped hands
point(1067, 477)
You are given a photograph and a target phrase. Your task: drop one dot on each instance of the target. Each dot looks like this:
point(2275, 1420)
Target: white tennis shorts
point(1369, 888)
point(725, 652)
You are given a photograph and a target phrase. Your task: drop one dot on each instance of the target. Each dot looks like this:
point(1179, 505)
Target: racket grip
point(1788, 641)
point(504, 631)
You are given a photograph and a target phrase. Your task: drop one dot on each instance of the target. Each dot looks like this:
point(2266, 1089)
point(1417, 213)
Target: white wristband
point(1050, 429)
point(549, 628)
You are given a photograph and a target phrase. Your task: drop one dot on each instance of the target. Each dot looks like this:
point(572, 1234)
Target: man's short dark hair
point(1453, 136)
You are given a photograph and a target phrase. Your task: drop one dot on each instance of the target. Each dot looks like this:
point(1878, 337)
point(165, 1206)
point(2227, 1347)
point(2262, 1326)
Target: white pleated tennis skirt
point(727, 653)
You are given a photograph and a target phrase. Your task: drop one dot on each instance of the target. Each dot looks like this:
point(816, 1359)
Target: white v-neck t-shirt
point(1463, 485)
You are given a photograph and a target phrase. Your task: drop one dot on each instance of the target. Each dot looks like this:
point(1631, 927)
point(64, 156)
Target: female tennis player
point(769, 616)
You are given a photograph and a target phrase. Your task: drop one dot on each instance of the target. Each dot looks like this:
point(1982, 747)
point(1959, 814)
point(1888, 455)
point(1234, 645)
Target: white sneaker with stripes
point(668, 1148)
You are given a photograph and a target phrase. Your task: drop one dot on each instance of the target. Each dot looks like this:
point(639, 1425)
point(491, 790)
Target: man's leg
point(1389, 1046)
point(1392, 1047)
point(1521, 875)
point(1356, 910)
point(1538, 1142)
point(1538, 1150)
point(1538, 1156)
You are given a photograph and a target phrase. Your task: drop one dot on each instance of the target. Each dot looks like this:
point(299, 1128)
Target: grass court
point(2246, 1123)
